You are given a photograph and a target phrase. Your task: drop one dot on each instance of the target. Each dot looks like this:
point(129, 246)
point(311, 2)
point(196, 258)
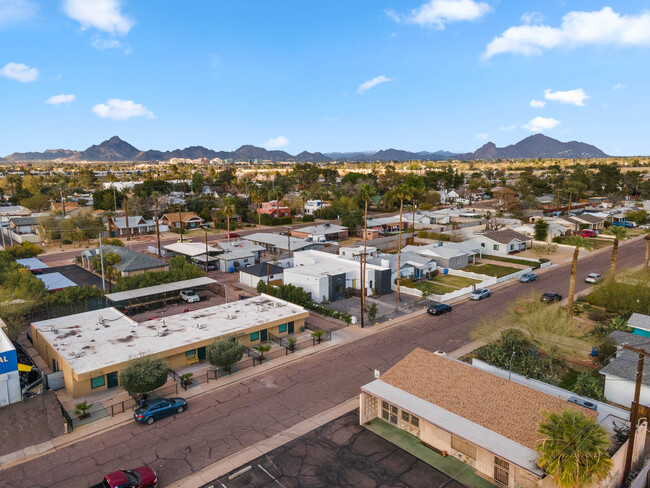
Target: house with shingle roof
point(481, 416)
point(131, 262)
point(137, 225)
point(502, 242)
point(186, 220)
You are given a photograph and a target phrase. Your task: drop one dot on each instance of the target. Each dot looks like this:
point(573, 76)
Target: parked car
point(190, 296)
point(528, 277)
point(587, 233)
point(594, 278)
point(551, 297)
point(479, 294)
point(629, 225)
point(438, 309)
point(158, 408)
point(142, 477)
point(232, 235)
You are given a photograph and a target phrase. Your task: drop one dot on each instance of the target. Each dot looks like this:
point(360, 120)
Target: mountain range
point(115, 149)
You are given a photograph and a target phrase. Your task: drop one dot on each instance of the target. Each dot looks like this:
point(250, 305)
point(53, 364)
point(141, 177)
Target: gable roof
point(505, 236)
point(592, 219)
point(504, 407)
point(260, 269)
point(134, 221)
point(624, 365)
point(184, 216)
point(639, 321)
point(132, 260)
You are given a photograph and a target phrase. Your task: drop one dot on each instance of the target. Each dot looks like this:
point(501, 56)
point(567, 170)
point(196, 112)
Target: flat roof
point(158, 289)
point(5, 343)
point(191, 248)
point(282, 242)
point(55, 281)
point(99, 339)
point(32, 263)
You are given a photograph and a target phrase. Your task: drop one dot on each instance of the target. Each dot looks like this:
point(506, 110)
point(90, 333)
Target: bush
point(423, 234)
point(597, 315)
point(66, 241)
point(590, 386)
point(113, 241)
point(24, 250)
point(224, 353)
point(308, 218)
point(144, 375)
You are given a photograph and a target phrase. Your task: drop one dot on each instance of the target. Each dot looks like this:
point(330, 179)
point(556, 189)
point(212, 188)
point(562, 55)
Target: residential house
point(583, 221)
point(327, 277)
point(482, 416)
point(14, 211)
point(278, 244)
point(22, 229)
point(131, 262)
point(445, 257)
point(138, 225)
point(621, 371)
point(274, 209)
point(554, 230)
point(185, 220)
point(266, 272)
point(218, 217)
point(412, 265)
point(502, 242)
point(235, 245)
point(389, 224)
point(326, 231)
point(313, 206)
point(640, 323)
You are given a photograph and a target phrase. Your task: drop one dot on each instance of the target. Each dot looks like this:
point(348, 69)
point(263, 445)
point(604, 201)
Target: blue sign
point(8, 362)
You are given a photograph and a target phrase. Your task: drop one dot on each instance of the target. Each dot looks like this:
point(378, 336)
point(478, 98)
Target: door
point(55, 365)
point(290, 328)
point(263, 335)
point(200, 352)
point(501, 471)
point(111, 379)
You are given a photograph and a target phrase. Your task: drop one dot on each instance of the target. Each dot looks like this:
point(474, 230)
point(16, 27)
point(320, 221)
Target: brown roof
point(68, 205)
point(184, 216)
point(505, 407)
point(592, 219)
point(505, 236)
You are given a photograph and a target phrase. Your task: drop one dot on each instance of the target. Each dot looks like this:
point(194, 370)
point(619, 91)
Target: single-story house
point(582, 221)
point(621, 371)
point(235, 245)
point(276, 243)
point(14, 211)
point(186, 220)
point(554, 230)
point(412, 265)
point(480, 416)
point(24, 225)
point(502, 242)
point(218, 217)
point(640, 323)
point(445, 257)
point(331, 232)
point(131, 262)
point(387, 224)
point(137, 225)
point(252, 275)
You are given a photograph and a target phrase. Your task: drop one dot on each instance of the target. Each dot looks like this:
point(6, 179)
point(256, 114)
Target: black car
point(438, 309)
point(551, 297)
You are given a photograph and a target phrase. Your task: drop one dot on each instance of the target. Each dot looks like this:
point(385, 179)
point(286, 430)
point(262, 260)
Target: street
point(226, 420)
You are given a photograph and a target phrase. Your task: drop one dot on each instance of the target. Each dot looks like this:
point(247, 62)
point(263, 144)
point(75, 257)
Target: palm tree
point(618, 233)
point(228, 208)
point(578, 243)
point(257, 196)
point(365, 194)
point(400, 192)
point(262, 349)
point(647, 248)
point(574, 449)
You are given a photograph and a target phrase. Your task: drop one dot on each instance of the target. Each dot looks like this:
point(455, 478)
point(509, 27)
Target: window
point(482, 244)
point(255, 336)
point(389, 412)
point(282, 328)
point(191, 353)
point(495, 247)
point(461, 445)
point(411, 419)
point(97, 382)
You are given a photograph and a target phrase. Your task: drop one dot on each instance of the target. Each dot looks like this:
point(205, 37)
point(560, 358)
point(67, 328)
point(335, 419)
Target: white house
point(313, 206)
point(502, 242)
point(620, 372)
point(252, 275)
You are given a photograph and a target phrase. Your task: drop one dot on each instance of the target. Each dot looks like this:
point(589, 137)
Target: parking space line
point(272, 477)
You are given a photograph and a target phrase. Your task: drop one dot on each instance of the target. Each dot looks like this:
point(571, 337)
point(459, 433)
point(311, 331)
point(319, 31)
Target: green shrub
point(24, 250)
point(308, 218)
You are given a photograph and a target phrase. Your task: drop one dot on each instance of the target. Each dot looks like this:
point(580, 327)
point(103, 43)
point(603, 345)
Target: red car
point(232, 235)
point(587, 233)
point(142, 477)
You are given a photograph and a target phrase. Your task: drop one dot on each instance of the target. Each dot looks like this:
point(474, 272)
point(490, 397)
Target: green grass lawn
point(435, 288)
point(491, 269)
point(457, 281)
point(532, 264)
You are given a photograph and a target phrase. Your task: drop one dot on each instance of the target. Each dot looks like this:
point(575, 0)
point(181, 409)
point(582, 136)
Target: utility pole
point(268, 277)
point(362, 285)
point(155, 210)
point(207, 262)
point(634, 415)
point(101, 259)
point(114, 199)
point(180, 223)
point(2, 231)
point(62, 202)
point(126, 217)
point(570, 197)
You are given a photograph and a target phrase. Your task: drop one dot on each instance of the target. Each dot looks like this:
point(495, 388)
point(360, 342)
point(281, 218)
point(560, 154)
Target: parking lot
point(341, 454)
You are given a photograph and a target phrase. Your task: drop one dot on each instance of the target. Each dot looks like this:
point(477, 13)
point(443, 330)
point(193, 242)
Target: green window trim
point(190, 353)
point(255, 336)
point(282, 328)
point(97, 382)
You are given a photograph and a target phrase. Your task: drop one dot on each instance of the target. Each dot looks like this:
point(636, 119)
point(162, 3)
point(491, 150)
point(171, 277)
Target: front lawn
point(452, 280)
point(491, 269)
point(428, 286)
point(532, 264)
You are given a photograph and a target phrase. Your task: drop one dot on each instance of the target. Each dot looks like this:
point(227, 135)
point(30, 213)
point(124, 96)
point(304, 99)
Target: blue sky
point(323, 76)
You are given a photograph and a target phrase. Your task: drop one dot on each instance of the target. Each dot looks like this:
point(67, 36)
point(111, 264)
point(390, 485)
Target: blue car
point(527, 277)
point(155, 409)
point(438, 309)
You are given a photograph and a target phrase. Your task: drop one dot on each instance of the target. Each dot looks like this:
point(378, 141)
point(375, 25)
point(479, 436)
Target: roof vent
point(54, 329)
point(201, 326)
point(162, 333)
point(584, 403)
point(231, 316)
point(440, 353)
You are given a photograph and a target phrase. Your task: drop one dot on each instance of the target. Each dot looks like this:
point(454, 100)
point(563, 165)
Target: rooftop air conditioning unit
point(231, 316)
point(583, 402)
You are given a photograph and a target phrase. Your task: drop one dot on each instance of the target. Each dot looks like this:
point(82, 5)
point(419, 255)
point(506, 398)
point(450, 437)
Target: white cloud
point(367, 85)
point(571, 97)
point(532, 18)
point(598, 28)
point(59, 99)
point(277, 142)
point(482, 137)
point(117, 109)
point(103, 15)
point(437, 13)
point(508, 127)
point(19, 72)
point(537, 103)
point(540, 124)
point(12, 11)
point(618, 86)
point(101, 44)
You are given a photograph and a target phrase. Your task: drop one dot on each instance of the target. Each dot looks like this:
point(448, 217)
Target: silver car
point(593, 278)
point(480, 294)
point(189, 296)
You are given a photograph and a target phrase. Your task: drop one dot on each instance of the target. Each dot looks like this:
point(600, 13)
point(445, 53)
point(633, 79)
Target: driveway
point(339, 454)
point(224, 421)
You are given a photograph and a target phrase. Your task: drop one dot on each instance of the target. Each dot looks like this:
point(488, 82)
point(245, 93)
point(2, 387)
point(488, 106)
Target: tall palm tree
point(365, 194)
point(647, 248)
point(578, 243)
point(228, 208)
point(618, 233)
point(400, 193)
point(257, 196)
point(574, 449)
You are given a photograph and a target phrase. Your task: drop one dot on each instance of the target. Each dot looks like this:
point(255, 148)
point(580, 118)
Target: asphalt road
point(224, 421)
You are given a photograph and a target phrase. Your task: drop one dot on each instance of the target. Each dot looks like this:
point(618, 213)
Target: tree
point(110, 271)
point(318, 335)
point(224, 353)
point(372, 312)
point(400, 193)
point(578, 242)
point(24, 250)
point(257, 196)
point(197, 182)
point(618, 233)
point(36, 202)
point(228, 208)
point(638, 216)
point(574, 449)
point(507, 200)
point(83, 409)
point(647, 248)
point(143, 375)
point(352, 219)
point(262, 349)
point(541, 230)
